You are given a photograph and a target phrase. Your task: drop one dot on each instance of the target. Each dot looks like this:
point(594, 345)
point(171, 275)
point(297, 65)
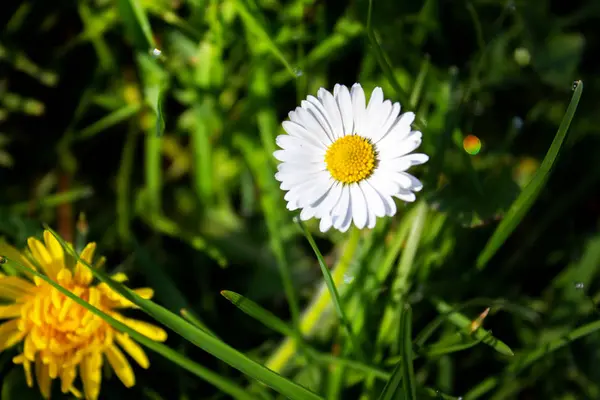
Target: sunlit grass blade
point(319, 305)
point(112, 119)
point(201, 339)
point(403, 373)
point(136, 24)
point(382, 60)
point(52, 200)
point(335, 297)
point(164, 288)
point(441, 349)
point(266, 317)
point(525, 360)
point(463, 322)
point(409, 385)
point(531, 192)
point(217, 380)
point(254, 26)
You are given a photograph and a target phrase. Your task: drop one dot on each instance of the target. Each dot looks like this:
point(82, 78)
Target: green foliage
point(157, 120)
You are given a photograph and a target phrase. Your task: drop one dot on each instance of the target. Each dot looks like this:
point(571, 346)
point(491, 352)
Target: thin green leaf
point(53, 200)
point(409, 385)
point(257, 312)
point(333, 291)
point(382, 60)
point(527, 359)
point(463, 322)
point(136, 24)
point(389, 391)
point(253, 25)
point(115, 117)
point(215, 379)
point(201, 339)
point(531, 192)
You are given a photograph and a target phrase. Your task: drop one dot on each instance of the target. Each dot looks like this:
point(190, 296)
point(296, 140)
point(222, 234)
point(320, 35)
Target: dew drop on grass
point(348, 278)
point(156, 52)
point(575, 84)
point(298, 72)
point(579, 285)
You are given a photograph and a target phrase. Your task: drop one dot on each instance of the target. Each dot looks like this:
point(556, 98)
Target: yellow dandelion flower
point(59, 337)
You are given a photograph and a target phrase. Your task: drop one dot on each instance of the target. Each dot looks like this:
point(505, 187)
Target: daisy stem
point(312, 315)
point(333, 292)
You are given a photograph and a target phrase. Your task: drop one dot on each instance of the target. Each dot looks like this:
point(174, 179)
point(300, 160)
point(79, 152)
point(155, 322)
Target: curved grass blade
point(528, 359)
point(463, 322)
point(254, 26)
point(217, 380)
point(136, 23)
point(408, 374)
point(403, 373)
point(335, 297)
point(526, 199)
point(266, 317)
point(198, 337)
point(382, 60)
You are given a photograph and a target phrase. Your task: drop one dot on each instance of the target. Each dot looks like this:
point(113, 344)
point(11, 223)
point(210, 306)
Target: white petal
point(317, 110)
point(307, 213)
point(327, 202)
point(359, 206)
point(373, 198)
point(415, 184)
point(406, 195)
point(296, 156)
point(416, 158)
point(386, 126)
point(372, 220)
point(297, 130)
point(325, 224)
point(345, 105)
point(336, 89)
point(372, 112)
point(394, 149)
point(394, 164)
point(305, 167)
point(377, 117)
point(401, 127)
point(319, 186)
point(333, 112)
point(344, 224)
point(310, 121)
point(383, 183)
point(343, 203)
point(358, 108)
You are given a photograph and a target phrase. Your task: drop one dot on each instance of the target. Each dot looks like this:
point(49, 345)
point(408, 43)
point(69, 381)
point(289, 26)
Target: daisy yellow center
point(350, 159)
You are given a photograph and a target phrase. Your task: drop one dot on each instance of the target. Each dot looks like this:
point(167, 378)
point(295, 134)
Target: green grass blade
point(201, 339)
point(253, 25)
point(526, 360)
point(266, 317)
point(136, 24)
point(112, 119)
point(389, 391)
point(52, 200)
point(531, 192)
point(409, 385)
point(217, 380)
point(164, 288)
point(383, 62)
point(463, 322)
point(335, 297)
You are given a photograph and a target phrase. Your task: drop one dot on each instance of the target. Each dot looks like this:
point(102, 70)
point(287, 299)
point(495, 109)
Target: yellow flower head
point(58, 336)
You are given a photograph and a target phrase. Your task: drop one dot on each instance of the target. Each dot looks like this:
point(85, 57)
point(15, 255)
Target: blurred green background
point(167, 154)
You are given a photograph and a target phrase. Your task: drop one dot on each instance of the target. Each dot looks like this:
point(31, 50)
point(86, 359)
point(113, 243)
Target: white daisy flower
point(343, 160)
